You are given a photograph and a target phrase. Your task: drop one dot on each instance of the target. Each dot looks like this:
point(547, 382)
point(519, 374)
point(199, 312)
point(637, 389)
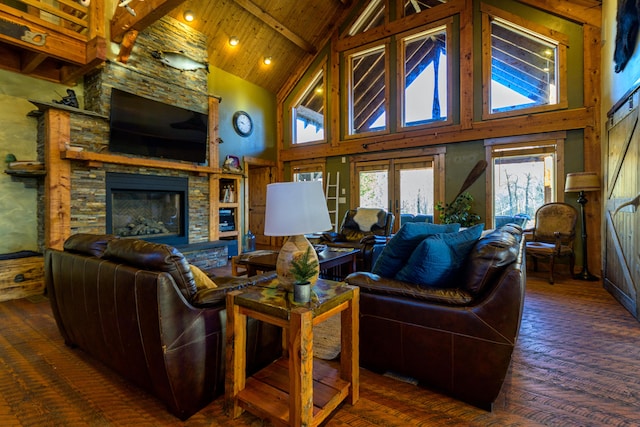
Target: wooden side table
point(296, 390)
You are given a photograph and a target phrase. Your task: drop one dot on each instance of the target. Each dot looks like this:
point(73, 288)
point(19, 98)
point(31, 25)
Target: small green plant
point(304, 267)
point(458, 211)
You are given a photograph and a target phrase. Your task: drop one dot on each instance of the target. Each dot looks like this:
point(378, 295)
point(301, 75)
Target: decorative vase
point(293, 248)
point(302, 292)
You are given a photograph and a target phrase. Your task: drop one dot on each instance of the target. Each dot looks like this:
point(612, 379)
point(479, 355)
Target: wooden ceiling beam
point(263, 16)
point(146, 13)
point(30, 61)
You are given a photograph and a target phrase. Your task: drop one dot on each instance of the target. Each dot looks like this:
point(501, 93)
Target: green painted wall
point(18, 134)
point(238, 94)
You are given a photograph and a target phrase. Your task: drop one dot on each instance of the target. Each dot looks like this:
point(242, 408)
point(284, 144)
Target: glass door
point(406, 187)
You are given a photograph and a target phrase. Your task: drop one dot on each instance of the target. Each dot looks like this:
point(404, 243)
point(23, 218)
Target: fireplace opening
point(148, 207)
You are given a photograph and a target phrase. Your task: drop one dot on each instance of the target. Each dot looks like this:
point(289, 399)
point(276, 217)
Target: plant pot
point(302, 292)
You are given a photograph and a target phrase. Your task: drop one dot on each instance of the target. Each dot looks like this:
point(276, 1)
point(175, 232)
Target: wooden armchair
point(553, 235)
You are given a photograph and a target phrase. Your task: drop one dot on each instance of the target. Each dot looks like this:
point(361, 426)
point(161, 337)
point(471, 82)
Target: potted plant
point(458, 211)
point(303, 269)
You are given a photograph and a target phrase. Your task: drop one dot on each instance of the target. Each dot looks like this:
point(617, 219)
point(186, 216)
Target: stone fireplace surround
point(89, 132)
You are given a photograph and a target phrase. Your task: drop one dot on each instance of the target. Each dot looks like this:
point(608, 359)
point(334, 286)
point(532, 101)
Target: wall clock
point(242, 123)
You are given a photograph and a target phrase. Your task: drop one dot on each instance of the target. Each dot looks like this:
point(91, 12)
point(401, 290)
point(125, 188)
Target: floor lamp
point(582, 182)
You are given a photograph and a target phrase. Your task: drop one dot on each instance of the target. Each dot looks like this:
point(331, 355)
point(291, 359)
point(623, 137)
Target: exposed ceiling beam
point(146, 13)
point(256, 11)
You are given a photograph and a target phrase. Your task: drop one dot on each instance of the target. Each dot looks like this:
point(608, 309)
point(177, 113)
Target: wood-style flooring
point(577, 363)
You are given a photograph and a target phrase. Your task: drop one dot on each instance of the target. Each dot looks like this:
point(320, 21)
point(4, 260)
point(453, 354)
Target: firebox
point(148, 207)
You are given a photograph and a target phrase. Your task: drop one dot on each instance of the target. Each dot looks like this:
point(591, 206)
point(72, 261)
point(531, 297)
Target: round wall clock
point(242, 123)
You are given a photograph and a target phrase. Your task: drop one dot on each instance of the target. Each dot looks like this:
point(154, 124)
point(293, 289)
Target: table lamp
point(582, 182)
point(295, 209)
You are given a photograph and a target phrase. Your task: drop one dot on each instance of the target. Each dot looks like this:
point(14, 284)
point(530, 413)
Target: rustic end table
point(295, 390)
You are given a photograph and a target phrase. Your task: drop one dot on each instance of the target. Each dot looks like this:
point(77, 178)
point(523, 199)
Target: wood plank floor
point(577, 363)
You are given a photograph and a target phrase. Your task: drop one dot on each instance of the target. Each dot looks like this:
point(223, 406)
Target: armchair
point(553, 235)
point(366, 229)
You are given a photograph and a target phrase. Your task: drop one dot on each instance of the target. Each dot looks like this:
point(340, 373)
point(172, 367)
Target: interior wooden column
point(214, 163)
point(57, 182)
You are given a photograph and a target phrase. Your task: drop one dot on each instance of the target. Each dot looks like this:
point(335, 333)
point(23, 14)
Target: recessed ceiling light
point(188, 15)
point(233, 41)
point(267, 60)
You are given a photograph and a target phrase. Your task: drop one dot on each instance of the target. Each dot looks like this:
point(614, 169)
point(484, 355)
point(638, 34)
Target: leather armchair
point(366, 229)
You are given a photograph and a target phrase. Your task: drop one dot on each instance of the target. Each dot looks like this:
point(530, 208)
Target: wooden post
point(349, 341)
point(236, 344)
point(57, 182)
point(301, 367)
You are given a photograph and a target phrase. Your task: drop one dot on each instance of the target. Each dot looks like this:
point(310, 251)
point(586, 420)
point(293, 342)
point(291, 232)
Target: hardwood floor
point(576, 364)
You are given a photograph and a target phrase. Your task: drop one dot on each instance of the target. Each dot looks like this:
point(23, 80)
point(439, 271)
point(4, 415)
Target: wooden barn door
point(259, 174)
point(622, 219)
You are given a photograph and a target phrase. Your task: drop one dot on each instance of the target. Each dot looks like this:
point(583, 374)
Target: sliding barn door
point(622, 218)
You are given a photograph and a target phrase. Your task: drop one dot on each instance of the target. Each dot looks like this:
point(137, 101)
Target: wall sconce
point(233, 41)
point(267, 60)
point(188, 15)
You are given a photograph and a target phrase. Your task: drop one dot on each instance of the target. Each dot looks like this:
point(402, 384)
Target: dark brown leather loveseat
point(134, 306)
point(458, 339)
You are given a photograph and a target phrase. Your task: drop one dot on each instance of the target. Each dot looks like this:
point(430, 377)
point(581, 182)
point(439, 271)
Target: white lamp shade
point(295, 208)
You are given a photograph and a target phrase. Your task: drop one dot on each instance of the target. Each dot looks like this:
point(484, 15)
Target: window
point(425, 82)
point(407, 186)
point(371, 17)
point(308, 113)
point(525, 173)
point(411, 7)
point(524, 65)
point(367, 90)
point(307, 171)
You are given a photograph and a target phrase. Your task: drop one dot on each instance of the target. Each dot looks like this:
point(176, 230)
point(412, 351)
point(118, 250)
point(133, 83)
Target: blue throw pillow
point(398, 250)
point(438, 259)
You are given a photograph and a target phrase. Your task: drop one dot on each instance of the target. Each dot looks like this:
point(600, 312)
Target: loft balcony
point(54, 40)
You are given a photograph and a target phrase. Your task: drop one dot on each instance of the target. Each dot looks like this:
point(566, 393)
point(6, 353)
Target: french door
point(408, 187)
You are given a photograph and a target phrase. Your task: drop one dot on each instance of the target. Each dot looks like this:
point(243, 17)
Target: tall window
point(308, 113)
point(525, 173)
point(425, 82)
point(367, 90)
point(524, 65)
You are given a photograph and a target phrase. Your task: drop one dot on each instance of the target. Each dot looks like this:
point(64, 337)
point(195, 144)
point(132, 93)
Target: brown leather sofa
point(457, 340)
point(360, 231)
point(134, 306)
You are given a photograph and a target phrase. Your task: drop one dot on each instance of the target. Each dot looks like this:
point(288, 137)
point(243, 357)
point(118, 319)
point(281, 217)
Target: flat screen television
point(151, 128)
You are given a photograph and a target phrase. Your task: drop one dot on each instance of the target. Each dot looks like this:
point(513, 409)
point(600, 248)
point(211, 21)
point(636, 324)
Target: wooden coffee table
point(331, 261)
point(297, 389)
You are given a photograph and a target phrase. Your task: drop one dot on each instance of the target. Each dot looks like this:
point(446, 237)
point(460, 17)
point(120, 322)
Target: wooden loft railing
point(57, 41)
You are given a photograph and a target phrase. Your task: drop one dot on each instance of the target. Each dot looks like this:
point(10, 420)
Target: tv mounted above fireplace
point(151, 128)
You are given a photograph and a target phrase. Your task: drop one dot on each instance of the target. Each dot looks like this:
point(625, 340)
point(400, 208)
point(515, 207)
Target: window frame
point(348, 98)
point(400, 55)
point(540, 31)
point(320, 71)
point(308, 167)
point(519, 145)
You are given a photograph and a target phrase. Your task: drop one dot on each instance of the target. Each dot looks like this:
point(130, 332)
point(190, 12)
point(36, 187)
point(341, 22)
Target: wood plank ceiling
point(290, 32)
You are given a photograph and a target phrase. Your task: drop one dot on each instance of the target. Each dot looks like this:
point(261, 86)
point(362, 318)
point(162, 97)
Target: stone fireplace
point(89, 189)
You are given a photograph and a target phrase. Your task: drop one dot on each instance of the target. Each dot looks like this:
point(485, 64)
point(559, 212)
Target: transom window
point(308, 114)
point(524, 65)
point(425, 80)
point(411, 7)
point(371, 17)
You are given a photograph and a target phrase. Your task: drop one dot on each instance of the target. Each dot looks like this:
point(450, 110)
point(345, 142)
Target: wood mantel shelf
point(91, 157)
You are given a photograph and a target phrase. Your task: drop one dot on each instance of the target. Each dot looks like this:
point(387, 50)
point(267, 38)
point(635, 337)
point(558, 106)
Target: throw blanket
point(366, 218)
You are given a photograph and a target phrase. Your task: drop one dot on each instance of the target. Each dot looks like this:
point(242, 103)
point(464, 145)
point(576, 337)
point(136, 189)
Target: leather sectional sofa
point(456, 339)
point(134, 306)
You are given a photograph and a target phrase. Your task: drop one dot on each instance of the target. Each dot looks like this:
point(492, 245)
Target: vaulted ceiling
point(290, 32)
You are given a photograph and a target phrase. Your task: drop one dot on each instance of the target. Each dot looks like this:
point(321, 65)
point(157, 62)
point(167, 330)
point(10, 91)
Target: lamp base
point(585, 275)
point(293, 248)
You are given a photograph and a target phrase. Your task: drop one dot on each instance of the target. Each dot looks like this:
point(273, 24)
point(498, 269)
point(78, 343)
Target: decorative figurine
point(70, 100)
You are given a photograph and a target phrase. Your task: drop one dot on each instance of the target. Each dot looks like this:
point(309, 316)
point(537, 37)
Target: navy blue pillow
point(398, 250)
point(438, 259)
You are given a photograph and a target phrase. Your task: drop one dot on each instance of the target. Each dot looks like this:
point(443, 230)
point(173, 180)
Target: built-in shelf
point(25, 173)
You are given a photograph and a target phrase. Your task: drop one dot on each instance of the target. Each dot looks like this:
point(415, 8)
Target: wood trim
point(583, 11)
